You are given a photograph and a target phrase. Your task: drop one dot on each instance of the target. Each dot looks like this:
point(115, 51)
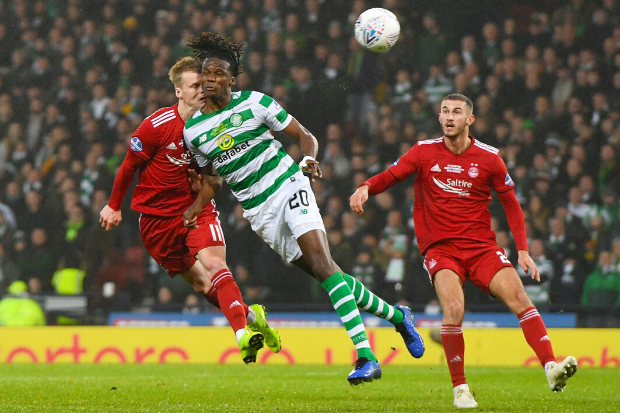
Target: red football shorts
point(475, 260)
point(174, 246)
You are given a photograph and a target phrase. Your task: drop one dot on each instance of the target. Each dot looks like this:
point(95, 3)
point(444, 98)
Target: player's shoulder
point(484, 149)
point(428, 142)
point(260, 99)
point(162, 116)
point(429, 146)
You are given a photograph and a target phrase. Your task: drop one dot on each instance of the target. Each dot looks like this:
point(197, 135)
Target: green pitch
point(258, 388)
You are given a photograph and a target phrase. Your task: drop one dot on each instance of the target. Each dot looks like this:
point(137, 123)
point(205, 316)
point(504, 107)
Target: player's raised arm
point(400, 170)
point(211, 183)
point(309, 147)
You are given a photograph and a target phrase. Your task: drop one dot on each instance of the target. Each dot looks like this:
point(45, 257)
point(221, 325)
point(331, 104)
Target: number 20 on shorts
point(299, 199)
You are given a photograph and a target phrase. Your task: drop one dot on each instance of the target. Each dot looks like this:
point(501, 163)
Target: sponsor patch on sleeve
point(396, 162)
point(136, 144)
point(508, 181)
point(277, 105)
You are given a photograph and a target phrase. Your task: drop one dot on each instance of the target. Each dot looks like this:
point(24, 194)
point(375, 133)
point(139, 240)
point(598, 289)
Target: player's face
point(191, 90)
point(217, 77)
point(455, 118)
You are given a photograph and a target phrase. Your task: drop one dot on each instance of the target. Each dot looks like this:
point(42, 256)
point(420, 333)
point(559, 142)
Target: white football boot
point(463, 398)
point(558, 374)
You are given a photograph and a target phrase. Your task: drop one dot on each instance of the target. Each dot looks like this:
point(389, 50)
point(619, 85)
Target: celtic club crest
point(236, 119)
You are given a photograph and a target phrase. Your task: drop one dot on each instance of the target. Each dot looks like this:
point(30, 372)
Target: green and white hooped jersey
point(238, 141)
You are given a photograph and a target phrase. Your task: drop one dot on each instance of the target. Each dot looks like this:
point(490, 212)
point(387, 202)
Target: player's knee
point(324, 268)
point(522, 300)
point(202, 285)
point(453, 312)
point(212, 265)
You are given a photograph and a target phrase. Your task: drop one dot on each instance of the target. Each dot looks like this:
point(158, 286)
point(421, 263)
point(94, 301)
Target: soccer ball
point(377, 29)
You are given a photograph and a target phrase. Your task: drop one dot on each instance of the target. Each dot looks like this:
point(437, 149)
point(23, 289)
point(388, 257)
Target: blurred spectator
point(433, 44)
point(8, 270)
point(567, 283)
point(366, 270)
point(37, 260)
point(69, 278)
point(602, 287)
point(18, 310)
point(165, 301)
point(342, 251)
point(191, 305)
point(538, 291)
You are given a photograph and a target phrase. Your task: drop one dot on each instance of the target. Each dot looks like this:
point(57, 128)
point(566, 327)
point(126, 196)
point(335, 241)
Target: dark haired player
point(453, 184)
point(162, 195)
point(233, 133)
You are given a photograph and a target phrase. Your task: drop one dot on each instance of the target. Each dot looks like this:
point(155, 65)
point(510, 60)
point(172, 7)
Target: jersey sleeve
point(406, 165)
point(274, 115)
point(144, 142)
point(142, 147)
point(500, 178)
point(400, 170)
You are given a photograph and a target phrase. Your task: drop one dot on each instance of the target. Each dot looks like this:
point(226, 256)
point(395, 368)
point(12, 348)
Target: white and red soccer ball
point(377, 29)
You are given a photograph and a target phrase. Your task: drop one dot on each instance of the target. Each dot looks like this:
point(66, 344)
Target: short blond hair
point(186, 64)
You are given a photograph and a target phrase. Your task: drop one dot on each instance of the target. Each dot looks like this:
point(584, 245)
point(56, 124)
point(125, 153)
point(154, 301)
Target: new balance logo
point(545, 338)
point(456, 359)
point(234, 303)
point(172, 146)
point(436, 168)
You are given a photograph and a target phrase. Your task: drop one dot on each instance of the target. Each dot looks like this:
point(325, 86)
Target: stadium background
point(77, 77)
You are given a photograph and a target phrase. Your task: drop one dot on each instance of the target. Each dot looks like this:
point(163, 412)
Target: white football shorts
point(287, 215)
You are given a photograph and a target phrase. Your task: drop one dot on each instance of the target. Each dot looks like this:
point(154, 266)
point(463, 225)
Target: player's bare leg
point(507, 286)
point(449, 288)
point(211, 277)
point(317, 257)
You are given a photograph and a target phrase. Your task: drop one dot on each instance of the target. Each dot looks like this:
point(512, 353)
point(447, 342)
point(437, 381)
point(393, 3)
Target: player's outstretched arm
point(211, 184)
point(357, 200)
point(309, 147)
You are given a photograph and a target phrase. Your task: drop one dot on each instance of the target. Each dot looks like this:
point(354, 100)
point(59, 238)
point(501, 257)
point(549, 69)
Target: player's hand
point(109, 218)
point(190, 216)
point(311, 166)
point(358, 199)
point(527, 263)
point(195, 180)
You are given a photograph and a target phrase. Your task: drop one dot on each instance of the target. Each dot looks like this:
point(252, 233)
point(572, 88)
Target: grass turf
point(263, 388)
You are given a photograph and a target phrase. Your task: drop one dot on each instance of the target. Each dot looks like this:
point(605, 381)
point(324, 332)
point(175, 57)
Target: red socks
point(535, 334)
point(225, 295)
point(454, 347)
point(533, 328)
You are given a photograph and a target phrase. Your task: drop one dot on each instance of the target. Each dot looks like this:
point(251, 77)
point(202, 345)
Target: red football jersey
point(158, 152)
point(452, 192)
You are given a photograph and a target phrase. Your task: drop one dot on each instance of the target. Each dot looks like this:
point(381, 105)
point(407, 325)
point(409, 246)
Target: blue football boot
point(364, 371)
point(413, 339)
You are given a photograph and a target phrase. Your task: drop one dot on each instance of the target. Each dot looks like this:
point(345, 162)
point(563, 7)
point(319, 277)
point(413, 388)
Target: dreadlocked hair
point(208, 44)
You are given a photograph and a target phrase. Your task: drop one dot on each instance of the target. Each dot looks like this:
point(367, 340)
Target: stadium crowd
point(77, 77)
